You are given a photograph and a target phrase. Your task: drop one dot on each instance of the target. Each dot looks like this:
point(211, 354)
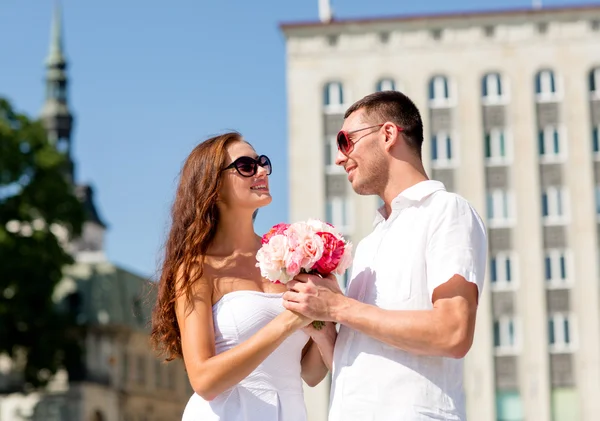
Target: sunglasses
point(346, 146)
point(247, 166)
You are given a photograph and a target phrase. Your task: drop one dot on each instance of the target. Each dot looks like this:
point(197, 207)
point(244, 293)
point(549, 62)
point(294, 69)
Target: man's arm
point(455, 257)
point(446, 330)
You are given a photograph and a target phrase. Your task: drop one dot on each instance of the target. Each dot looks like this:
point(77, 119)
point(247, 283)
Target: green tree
point(37, 208)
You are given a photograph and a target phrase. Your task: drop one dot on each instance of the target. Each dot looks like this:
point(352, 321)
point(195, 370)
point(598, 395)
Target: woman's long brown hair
point(194, 222)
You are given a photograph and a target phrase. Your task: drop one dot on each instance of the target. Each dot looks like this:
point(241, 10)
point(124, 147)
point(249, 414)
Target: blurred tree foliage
point(39, 212)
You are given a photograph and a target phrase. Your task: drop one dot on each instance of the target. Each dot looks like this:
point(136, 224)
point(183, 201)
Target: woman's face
point(241, 189)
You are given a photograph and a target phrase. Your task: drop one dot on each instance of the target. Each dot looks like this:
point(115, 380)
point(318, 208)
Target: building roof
point(109, 295)
point(85, 193)
point(500, 13)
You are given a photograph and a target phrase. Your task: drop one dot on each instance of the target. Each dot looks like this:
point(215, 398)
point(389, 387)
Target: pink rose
point(319, 226)
point(312, 249)
point(302, 238)
point(271, 258)
point(333, 250)
point(293, 261)
point(313, 245)
point(278, 229)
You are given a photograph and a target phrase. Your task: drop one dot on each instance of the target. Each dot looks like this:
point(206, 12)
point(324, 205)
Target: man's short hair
point(396, 107)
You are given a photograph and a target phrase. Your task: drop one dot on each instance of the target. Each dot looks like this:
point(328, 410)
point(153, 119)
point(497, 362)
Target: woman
point(244, 353)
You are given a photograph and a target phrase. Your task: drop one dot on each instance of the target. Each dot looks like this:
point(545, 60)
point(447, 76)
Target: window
point(596, 139)
point(565, 404)
point(556, 268)
point(158, 373)
point(330, 155)
point(496, 148)
point(334, 97)
point(436, 34)
point(386, 85)
point(554, 205)
point(502, 271)
point(171, 372)
point(141, 370)
point(441, 149)
point(57, 91)
point(546, 86)
point(509, 406)
point(439, 91)
point(493, 90)
point(125, 369)
point(561, 332)
point(97, 416)
point(598, 201)
point(499, 208)
point(505, 335)
point(337, 212)
point(595, 82)
point(550, 144)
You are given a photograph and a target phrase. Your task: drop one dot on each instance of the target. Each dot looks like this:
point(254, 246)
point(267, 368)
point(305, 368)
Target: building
point(511, 106)
point(119, 377)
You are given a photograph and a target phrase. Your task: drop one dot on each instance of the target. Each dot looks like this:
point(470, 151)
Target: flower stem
point(318, 325)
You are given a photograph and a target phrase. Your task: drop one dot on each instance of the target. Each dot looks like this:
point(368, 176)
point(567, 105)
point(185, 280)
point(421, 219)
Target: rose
point(293, 262)
point(333, 250)
point(311, 248)
point(303, 239)
point(299, 231)
point(320, 226)
point(271, 259)
point(278, 229)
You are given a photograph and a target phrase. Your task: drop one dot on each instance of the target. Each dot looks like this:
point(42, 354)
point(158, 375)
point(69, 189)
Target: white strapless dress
point(273, 391)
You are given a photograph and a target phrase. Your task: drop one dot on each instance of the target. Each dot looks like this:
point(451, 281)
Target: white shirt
point(430, 236)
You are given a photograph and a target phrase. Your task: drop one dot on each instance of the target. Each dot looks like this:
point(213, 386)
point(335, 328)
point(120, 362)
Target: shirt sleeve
point(457, 245)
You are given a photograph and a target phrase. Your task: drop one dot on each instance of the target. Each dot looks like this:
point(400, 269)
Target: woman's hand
point(295, 320)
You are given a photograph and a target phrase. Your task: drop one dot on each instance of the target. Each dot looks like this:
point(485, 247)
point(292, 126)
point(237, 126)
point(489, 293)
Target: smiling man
point(408, 318)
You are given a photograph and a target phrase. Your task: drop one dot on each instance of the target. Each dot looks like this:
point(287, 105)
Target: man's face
point(366, 164)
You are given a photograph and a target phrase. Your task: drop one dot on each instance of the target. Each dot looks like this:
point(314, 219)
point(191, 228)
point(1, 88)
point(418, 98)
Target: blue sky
point(149, 81)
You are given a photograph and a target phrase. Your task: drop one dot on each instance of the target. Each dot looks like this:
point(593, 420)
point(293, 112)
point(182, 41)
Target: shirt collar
point(410, 196)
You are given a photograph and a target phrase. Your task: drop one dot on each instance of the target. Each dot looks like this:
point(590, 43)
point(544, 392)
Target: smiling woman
point(244, 353)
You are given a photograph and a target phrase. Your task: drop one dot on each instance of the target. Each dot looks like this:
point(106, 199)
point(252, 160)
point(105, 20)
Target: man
point(409, 315)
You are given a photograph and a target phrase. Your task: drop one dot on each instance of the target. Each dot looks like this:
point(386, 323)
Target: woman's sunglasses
point(346, 146)
point(247, 166)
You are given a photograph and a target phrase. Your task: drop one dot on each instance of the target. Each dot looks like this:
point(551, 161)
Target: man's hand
point(313, 296)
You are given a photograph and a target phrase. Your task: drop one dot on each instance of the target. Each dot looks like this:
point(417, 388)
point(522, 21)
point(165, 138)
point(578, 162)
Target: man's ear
point(391, 135)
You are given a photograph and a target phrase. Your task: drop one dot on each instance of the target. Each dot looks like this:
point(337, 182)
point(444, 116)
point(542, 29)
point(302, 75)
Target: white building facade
point(511, 108)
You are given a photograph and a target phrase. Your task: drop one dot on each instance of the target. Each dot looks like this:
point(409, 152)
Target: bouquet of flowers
point(313, 246)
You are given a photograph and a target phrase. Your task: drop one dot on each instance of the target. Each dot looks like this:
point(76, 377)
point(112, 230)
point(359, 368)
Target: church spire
point(56, 115)
point(56, 56)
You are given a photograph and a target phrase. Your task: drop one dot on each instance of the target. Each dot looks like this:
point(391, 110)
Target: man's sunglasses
point(247, 166)
point(345, 145)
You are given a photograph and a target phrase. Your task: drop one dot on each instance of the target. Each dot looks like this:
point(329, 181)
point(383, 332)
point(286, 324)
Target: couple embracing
point(395, 341)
